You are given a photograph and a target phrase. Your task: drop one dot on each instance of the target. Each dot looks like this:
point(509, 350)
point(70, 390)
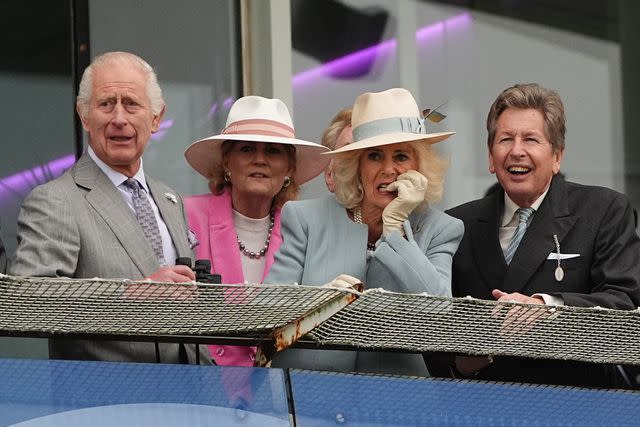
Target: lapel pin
point(559, 273)
point(171, 197)
point(193, 241)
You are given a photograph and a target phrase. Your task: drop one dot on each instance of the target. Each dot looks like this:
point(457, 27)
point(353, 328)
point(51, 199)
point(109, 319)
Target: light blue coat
point(321, 242)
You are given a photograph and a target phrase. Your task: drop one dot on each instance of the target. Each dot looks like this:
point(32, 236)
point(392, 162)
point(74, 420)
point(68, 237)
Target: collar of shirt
point(510, 208)
point(114, 176)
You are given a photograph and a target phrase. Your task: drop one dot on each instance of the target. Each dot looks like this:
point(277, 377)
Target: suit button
point(220, 351)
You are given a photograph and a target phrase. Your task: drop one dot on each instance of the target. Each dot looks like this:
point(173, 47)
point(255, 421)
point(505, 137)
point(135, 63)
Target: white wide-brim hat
point(258, 119)
point(389, 117)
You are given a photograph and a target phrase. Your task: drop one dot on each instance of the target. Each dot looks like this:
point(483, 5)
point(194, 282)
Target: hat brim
point(204, 154)
point(392, 138)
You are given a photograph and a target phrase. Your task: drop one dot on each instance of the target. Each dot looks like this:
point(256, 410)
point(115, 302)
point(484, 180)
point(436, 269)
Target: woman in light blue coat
point(377, 227)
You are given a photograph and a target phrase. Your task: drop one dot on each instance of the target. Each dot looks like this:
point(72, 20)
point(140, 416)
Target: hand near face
point(411, 188)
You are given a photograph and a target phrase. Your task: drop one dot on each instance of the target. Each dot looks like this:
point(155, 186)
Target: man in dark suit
point(105, 217)
point(576, 246)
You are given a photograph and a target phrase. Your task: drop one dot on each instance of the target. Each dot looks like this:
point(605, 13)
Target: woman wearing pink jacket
point(254, 166)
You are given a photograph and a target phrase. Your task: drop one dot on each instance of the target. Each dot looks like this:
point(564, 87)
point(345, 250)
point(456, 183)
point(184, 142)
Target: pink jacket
point(210, 217)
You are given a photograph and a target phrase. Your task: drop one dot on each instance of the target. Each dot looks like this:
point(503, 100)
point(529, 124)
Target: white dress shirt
point(510, 219)
point(508, 227)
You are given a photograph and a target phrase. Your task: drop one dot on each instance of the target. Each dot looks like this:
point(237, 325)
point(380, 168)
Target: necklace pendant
point(258, 254)
point(559, 274)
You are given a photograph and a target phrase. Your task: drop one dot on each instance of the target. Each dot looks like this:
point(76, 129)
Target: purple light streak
point(164, 127)
point(438, 29)
point(214, 108)
point(352, 64)
point(459, 22)
point(227, 102)
point(19, 184)
point(212, 111)
point(347, 65)
point(356, 63)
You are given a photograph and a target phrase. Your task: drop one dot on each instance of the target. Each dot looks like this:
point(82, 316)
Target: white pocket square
point(557, 256)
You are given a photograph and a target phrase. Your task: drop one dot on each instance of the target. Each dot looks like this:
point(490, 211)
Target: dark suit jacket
point(595, 222)
point(80, 226)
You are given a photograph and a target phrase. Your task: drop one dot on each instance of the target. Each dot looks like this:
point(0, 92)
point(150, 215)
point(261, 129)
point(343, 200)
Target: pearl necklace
point(260, 254)
point(357, 217)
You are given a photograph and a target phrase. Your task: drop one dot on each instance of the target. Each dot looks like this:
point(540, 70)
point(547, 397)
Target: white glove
point(344, 281)
point(412, 190)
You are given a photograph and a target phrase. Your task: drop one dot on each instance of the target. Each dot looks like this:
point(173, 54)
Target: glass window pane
point(193, 46)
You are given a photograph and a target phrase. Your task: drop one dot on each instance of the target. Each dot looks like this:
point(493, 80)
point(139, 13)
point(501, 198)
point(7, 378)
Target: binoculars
point(202, 268)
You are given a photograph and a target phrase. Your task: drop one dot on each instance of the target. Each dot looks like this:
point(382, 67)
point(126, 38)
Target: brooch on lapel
point(193, 241)
point(171, 197)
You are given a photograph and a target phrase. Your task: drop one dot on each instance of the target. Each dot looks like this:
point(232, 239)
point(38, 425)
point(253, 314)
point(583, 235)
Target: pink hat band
point(259, 127)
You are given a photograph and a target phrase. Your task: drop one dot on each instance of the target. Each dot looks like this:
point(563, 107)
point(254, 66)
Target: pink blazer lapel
point(223, 243)
point(274, 244)
point(211, 217)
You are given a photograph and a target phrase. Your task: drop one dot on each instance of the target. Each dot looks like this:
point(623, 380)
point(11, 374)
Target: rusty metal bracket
point(284, 337)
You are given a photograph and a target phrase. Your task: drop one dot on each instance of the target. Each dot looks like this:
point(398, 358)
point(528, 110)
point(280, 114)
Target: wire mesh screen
point(375, 320)
point(95, 306)
point(385, 320)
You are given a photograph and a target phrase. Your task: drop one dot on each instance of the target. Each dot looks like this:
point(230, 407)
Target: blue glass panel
point(323, 399)
point(52, 392)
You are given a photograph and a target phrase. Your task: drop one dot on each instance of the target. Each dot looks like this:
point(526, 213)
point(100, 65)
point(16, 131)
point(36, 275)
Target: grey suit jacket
point(320, 242)
point(80, 226)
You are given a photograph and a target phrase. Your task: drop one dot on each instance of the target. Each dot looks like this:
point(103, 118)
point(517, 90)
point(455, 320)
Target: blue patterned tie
point(146, 218)
point(524, 213)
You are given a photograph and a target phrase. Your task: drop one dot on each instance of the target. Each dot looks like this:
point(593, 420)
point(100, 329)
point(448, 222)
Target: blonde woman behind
point(336, 135)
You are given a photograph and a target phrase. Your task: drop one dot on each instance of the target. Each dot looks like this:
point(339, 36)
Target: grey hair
point(122, 59)
point(531, 96)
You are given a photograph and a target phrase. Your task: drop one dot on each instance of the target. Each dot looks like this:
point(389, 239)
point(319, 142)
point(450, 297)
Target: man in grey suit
point(104, 217)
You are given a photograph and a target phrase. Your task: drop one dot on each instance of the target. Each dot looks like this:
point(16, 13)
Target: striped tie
point(524, 213)
point(146, 218)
